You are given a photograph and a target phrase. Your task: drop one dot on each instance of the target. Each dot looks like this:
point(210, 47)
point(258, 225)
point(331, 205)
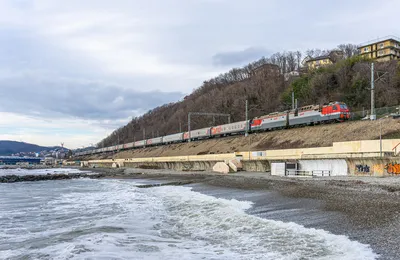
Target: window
point(335, 108)
point(381, 45)
point(380, 53)
point(366, 49)
point(343, 106)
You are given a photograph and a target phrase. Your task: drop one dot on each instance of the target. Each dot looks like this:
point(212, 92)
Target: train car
point(269, 122)
point(307, 115)
point(233, 128)
point(336, 111)
point(141, 143)
point(198, 134)
point(129, 145)
point(172, 138)
point(154, 141)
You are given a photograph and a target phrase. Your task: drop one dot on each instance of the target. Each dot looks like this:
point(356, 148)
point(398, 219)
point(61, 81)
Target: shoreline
point(368, 208)
point(365, 209)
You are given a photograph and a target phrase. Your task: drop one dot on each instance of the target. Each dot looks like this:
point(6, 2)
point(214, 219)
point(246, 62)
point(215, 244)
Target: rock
point(238, 164)
point(114, 165)
point(221, 167)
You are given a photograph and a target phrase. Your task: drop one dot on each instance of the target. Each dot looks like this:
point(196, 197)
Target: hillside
point(11, 147)
point(312, 136)
point(263, 84)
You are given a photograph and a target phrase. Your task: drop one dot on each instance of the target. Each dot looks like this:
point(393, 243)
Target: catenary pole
point(380, 137)
point(247, 118)
point(293, 100)
point(372, 116)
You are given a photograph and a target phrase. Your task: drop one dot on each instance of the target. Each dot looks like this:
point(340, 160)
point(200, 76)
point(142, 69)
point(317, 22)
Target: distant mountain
point(11, 147)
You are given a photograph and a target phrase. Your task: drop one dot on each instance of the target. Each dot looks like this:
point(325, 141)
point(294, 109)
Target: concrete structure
point(382, 49)
point(235, 165)
point(278, 169)
point(368, 157)
point(221, 167)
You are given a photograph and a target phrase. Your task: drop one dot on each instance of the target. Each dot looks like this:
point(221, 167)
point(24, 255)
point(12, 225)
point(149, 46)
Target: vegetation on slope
point(268, 91)
point(348, 81)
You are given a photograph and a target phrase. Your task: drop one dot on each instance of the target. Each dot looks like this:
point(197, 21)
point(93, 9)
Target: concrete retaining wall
point(257, 166)
point(342, 158)
point(374, 167)
point(336, 167)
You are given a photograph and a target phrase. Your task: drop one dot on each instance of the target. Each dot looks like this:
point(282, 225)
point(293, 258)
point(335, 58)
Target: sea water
point(114, 219)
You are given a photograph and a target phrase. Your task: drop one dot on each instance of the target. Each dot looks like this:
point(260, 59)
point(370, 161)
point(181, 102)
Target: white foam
point(110, 219)
point(21, 172)
point(206, 218)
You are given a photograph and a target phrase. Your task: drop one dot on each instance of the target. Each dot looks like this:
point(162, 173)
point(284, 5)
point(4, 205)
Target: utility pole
point(292, 100)
point(380, 137)
point(189, 126)
point(372, 116)
point(295, 104)
point(144, 133)
point(180, 127)
point(247, 118)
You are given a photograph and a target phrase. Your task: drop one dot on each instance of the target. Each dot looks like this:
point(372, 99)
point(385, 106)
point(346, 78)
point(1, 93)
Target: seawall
point(355, 158)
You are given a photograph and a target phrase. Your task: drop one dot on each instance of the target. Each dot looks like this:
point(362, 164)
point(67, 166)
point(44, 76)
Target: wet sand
point(365, 209)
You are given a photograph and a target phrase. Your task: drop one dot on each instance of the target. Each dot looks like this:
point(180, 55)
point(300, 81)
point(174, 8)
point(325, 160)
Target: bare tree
point(349, 50)
point(291, 61)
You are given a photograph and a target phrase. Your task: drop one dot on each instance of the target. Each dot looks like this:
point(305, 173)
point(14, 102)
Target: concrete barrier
point(221, 167)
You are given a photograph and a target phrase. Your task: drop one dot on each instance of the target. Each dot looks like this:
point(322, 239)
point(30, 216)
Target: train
point(306, 115)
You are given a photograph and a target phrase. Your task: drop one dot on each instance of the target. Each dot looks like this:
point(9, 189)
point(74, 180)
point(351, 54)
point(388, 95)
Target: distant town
point(56, 154)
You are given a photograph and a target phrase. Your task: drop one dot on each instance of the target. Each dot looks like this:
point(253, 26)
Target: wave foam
point(111, 219)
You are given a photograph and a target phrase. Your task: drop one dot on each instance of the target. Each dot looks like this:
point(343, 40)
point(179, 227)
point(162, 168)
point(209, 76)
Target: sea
point(116, 219)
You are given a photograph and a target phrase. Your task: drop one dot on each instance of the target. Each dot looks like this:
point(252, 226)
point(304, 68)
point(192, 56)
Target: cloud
point(235, 58)
point(51, 97)
point(102, 61)
point(73, 132)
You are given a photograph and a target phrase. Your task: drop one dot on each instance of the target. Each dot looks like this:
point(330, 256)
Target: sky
point(73, 71)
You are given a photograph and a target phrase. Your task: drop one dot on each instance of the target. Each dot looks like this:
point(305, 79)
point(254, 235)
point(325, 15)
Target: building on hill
point(382, 49)
point(289, 76)
point(324, 60)
point(267, 69)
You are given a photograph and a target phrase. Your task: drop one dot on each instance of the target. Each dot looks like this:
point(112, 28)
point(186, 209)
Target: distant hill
point(10, 147)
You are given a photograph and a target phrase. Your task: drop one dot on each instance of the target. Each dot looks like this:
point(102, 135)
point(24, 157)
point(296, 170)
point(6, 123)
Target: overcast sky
point(72, 71)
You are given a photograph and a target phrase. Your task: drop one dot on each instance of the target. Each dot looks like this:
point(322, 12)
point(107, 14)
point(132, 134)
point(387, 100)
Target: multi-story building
point(382, 49)
point(324, 60)
point(267, 69)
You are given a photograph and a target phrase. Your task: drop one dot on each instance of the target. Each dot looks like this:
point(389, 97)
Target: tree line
point(266, 91)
